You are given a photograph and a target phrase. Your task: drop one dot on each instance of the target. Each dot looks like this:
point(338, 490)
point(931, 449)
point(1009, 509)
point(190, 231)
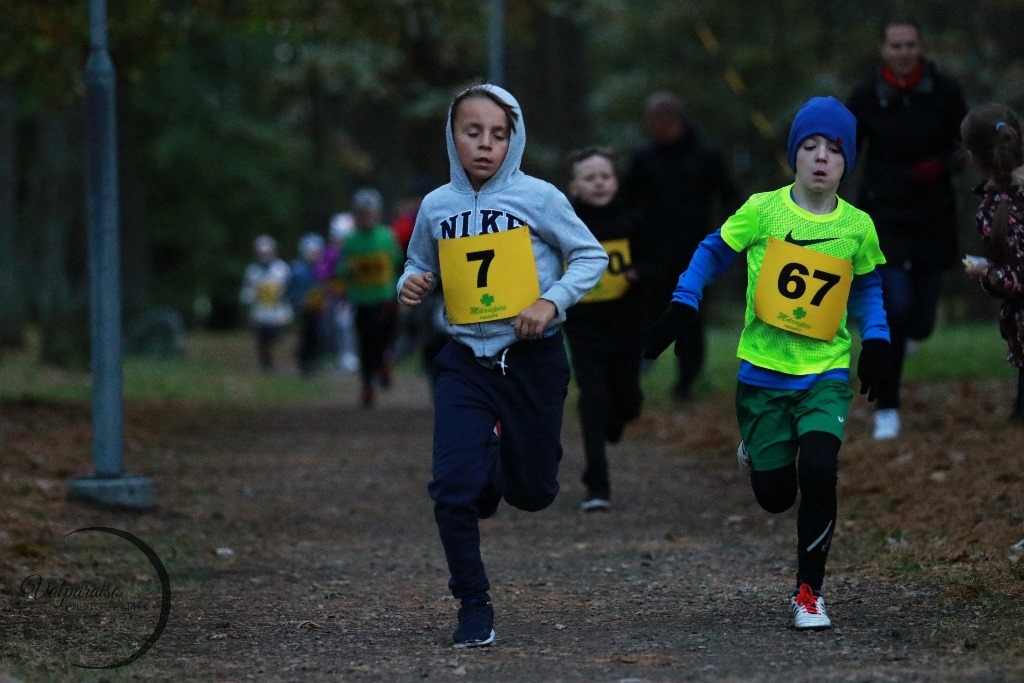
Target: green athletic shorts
point(772, 420)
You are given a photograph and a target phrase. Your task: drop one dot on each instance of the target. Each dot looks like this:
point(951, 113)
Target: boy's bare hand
point(415, 288)
point(532, 320)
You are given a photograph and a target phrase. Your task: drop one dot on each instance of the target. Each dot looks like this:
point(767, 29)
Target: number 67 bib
point(802, 290)
point(488, 277)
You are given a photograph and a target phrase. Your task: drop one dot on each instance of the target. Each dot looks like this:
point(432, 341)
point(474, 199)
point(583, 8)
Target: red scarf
point(909, 83)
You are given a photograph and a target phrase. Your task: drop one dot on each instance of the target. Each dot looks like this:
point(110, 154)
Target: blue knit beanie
point(829, 117)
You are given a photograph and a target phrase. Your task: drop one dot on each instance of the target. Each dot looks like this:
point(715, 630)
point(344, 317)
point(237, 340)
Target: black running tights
point(814, 474)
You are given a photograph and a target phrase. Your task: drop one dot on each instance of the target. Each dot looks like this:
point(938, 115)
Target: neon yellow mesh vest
point(847, 233)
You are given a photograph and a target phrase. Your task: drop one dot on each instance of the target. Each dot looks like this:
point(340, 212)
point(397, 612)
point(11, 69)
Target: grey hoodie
point(506, 201)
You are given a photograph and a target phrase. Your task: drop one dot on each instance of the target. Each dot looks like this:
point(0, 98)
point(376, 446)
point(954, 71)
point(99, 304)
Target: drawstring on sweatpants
point(501, 361)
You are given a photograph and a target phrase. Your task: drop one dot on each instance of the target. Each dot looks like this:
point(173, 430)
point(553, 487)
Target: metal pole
point(496, 43)
point(104, 275)
point(109, 486)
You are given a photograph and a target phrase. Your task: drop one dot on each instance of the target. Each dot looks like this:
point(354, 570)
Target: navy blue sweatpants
point(526, 392)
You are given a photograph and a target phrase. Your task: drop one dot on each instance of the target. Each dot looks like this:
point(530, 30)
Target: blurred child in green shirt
point(369, 267)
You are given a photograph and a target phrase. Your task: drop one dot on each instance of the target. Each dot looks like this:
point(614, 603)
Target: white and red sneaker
point(809, 609)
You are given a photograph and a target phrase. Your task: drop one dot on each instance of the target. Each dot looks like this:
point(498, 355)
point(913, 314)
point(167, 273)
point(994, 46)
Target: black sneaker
point(476, 624)
point(598, 499)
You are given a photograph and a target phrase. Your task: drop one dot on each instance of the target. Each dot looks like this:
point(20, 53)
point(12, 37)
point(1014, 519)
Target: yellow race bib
point(613, 283)
point(371, 270)
point(802, 290)
point(268, 292)
point(488, 277)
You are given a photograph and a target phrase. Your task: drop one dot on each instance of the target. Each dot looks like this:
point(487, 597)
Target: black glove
point(668, 328)
point(874, 366)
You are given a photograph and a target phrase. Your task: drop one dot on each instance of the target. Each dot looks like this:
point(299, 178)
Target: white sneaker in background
point(887, 424)
point(349, 363)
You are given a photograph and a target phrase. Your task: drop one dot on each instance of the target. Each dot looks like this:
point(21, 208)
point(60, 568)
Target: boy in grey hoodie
point(512, 256)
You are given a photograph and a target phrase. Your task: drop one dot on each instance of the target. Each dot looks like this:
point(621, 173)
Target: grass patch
point(973, 350)
point(217, 367)
point(221, 367)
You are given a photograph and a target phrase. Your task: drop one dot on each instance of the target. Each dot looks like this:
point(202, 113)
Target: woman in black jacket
point(908, 117)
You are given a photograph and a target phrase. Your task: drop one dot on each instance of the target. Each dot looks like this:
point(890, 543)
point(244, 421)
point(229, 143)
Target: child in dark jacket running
point(512, 257)
point(992, 137)
point(606, 329)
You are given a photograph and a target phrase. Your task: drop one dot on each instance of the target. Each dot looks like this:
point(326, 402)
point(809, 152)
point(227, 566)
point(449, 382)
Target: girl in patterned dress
point(992, 140)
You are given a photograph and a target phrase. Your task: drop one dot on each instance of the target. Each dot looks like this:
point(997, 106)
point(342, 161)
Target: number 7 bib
point(802, 290)
point(488, 277)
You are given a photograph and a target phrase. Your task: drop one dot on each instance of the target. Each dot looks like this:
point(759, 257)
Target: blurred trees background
point(238, 118)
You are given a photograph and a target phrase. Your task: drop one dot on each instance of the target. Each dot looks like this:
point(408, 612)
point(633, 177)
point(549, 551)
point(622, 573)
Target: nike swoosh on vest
point(806, 243)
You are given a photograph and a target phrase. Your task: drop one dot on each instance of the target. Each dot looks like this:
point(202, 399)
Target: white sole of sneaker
point(477, 643)
point(820, 626)
point(595, 505)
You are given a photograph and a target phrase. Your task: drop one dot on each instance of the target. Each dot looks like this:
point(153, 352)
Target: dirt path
point(301, 546)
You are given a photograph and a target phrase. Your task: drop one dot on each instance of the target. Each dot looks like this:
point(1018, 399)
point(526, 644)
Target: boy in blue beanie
point(811, 261)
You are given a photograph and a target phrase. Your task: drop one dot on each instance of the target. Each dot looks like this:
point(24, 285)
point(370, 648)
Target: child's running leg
point(775, 490)
point(817, 470)
point(765, 420)
point(462, 467)
point(533, 385)
point(624, 391)
point(365, 322)
point(589, 369)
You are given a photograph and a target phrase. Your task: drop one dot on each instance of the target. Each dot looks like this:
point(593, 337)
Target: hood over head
point(516, 145)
